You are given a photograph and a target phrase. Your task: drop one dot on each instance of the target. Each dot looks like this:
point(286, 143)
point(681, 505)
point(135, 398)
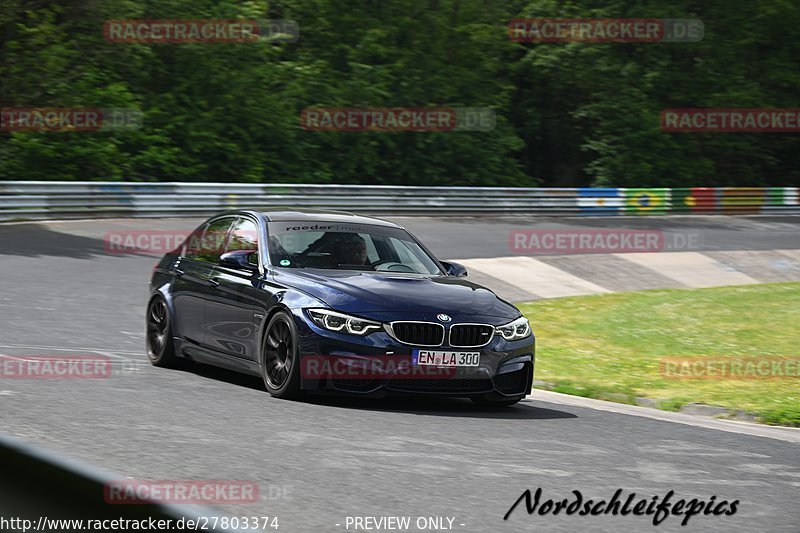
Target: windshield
point(338, 246)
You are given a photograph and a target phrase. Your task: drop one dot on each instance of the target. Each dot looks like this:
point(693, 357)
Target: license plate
point(444, 358)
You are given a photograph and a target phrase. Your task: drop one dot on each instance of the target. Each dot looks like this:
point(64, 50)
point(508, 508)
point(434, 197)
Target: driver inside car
point(352, 250)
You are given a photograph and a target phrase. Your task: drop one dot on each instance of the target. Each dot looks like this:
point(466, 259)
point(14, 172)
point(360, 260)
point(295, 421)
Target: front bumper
point(505, 371)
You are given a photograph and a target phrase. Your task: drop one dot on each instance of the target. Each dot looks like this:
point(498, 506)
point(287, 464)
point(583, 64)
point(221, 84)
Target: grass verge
point(610, 346)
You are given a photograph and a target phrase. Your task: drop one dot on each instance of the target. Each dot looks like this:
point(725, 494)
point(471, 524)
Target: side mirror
point(454, 269)
point(239, 260)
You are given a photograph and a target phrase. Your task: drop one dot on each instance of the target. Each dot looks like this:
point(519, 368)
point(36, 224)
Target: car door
point(229, 317)
point(192, 285)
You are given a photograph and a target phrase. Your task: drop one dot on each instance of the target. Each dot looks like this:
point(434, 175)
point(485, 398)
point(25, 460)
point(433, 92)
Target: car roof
point(319, 215)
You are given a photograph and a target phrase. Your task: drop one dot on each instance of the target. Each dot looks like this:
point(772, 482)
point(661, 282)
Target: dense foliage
point(568, 114)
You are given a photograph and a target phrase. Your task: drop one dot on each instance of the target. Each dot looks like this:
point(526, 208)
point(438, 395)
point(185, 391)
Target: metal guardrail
point(21, 200)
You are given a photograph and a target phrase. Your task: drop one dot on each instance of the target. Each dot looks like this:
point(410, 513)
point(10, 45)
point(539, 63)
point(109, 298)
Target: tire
point(483, 402)
point(158, 335)
point(280, 359)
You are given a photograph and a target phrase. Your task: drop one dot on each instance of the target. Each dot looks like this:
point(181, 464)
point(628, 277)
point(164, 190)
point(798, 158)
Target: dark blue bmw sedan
point(334, 302)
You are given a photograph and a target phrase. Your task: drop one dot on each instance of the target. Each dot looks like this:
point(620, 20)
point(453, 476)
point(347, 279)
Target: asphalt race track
point(318, 462)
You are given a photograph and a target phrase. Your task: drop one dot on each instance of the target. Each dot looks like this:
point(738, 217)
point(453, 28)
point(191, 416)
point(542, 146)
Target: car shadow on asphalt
point(418, 405)
point(223, 375)
point(436, 406)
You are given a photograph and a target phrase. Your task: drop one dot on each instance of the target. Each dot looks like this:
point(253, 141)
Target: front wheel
point(280, 360)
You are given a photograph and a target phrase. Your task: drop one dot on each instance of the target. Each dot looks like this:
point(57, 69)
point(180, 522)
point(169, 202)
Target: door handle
point(179, 272)
point(213, 283)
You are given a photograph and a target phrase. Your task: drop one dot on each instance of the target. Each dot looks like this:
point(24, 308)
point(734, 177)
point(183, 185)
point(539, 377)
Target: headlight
point(518, 329)
point(334, 321)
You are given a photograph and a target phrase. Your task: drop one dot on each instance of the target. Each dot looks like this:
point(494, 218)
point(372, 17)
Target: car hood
point(397, 296)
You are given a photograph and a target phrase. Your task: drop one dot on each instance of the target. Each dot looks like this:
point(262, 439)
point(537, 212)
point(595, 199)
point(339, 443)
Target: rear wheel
point(160, 348)
point(280, 360)
point(483, 402)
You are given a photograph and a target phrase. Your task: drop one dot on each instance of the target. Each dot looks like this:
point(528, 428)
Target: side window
point(193, 242)
point(213, 241)
point(244, 236)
